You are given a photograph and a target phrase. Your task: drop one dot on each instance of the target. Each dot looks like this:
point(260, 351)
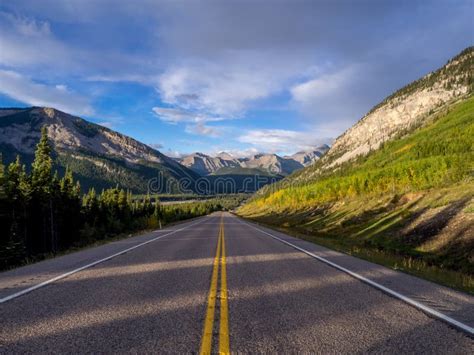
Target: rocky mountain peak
point(308, 157)
point(269, 162)
point(49, 111)
point(408, 107)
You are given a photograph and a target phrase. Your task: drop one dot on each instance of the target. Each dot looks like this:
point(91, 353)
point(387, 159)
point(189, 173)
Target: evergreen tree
point(2, 179)
point(66, 183)
point(41, 172)
point(16, 190)
point(42, 183)
point(89, 201)
point(122, 200)
point(43, 213)
point(4, 215)
point(16, 182)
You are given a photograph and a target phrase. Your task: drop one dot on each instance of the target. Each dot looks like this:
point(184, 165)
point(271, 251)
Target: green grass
point(434, 156)
point(408, 205)
point(372, 230)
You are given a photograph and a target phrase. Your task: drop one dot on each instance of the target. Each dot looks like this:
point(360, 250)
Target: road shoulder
point(24, 277)
point(454, 304)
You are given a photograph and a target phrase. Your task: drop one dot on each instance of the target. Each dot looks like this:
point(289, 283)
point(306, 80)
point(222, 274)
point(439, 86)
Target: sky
point(209, 76)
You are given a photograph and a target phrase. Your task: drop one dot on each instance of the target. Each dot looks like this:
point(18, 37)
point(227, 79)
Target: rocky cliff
point(408, 107)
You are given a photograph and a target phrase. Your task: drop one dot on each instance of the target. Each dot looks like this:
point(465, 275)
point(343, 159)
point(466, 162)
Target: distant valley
point(101, 158)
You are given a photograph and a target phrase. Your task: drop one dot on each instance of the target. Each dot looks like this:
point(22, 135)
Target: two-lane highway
point(216, 284)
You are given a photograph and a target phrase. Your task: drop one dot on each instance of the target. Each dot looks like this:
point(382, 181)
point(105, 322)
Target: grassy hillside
point(408, 205)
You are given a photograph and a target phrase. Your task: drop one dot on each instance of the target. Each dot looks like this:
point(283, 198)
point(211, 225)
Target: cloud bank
point(324, 63)
point(24, 89)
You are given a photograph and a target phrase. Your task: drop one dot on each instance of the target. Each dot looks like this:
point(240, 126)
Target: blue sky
point(241, 76)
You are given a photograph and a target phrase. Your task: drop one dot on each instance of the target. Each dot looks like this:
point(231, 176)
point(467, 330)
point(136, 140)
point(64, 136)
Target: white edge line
point(62, 276)
point(430, 311)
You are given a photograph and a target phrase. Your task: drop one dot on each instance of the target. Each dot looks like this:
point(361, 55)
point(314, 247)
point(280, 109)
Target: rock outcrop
point(407, 108)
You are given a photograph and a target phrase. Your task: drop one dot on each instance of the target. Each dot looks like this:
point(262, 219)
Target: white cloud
point(280, 140)
point(238, 153)
point(173, 153)
point(30, 44)
point(212, 61)
point(25, 90)
point(132, 78)
point(226, 86)
point(333, 101)
point(155, 145)
point(326, 85)
point(107, 124)
point(30, 27)
point(201, 129)
point(176, 115)
point(61, 87)
point(27, 42)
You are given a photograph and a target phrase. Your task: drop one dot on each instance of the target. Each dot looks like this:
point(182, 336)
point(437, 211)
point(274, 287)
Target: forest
point(43, 214)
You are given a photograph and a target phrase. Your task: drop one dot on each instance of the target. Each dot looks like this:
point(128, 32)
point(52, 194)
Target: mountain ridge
point(99, 156)
point(267, 162)
point(409, 107)
point(407, 202)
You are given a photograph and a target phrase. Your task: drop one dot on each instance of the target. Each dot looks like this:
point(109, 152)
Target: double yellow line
point(219, 260)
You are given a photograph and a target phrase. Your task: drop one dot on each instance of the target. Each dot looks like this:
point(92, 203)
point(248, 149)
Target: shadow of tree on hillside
point(398, 228)
point(431, 227)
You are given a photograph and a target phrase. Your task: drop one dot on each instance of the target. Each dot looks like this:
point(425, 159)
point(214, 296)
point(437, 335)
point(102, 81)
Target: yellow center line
point(206, 342)
point(224, 347)
point(219, 260)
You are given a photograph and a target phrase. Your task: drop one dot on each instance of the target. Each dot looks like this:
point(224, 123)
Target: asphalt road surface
point(218, 284)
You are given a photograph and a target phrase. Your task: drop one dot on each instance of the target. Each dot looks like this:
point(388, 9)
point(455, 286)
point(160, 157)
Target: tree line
point(42, 213)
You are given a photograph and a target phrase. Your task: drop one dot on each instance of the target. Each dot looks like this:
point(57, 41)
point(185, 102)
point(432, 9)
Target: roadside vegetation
point(408, 205)
point(42, 214)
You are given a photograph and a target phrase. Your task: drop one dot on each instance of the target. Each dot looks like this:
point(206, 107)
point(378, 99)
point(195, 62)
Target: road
point(220, 284)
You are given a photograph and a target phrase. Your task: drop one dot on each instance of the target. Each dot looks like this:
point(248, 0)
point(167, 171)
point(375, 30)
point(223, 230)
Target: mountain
point(273, 164)
point(245, 171)
point(98, 156)
point(226, 156)
point(204, 164)
point(414, 106)
point(307, 158)
point(397, 187)
point(405, 109)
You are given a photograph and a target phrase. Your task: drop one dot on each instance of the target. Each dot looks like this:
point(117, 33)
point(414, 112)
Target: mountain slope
point(412, 106)
point(204, 164)
point(98, 156)
point(397, 187)
point(272, 163)
point(410, 204)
